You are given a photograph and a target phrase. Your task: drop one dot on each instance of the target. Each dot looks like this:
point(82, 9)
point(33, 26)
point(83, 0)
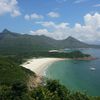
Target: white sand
point(39, 65)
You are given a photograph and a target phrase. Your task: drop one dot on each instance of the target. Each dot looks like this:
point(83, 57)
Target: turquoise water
point(77, 75)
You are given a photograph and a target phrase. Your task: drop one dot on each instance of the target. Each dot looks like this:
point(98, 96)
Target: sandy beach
point(39, 65)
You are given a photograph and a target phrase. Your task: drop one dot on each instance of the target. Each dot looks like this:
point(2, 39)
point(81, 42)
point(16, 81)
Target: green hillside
point(11, 72)
point(14, 43)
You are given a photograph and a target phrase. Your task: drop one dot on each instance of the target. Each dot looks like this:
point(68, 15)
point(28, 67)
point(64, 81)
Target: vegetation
point(16, 44)
point(11, 72)
point(74, 54)
point(52, 90)
point(14, 49)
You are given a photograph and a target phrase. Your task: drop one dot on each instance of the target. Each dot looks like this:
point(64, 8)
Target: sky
point(54, 18)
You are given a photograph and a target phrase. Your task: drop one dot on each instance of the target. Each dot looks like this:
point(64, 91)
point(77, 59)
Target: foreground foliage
point(51, 90)
point(11, 72)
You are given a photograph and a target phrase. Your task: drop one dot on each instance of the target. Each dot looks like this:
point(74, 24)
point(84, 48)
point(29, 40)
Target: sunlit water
point(77, 75)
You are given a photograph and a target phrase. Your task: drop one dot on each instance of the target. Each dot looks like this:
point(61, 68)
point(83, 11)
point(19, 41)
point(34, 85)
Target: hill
point(11, 72)
point(15, 43)
point(71, 42)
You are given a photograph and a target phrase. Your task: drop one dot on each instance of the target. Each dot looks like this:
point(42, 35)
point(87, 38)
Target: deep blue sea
point(77, 75)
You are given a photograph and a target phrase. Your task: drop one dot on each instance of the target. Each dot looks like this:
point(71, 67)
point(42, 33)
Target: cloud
point(27, 17)
point(40, 32)
point(36, 16)
point(33, 16)
point(61, 1)
point(51, 29)
point(92, 21)
point(90, 31)
point(53, 14)
point(15, 13)
point(97, 5)
point(9, 6)
point(53, 25)
point(79, 1)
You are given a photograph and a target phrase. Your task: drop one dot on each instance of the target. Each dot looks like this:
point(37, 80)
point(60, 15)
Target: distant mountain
point(71, 42)
point(11, 42)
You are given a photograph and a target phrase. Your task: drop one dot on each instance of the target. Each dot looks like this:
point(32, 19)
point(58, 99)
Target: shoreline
point(85, 58)
point(39, 65)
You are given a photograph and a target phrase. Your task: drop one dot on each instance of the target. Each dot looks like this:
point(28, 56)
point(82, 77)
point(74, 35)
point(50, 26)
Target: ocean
point(77, 75)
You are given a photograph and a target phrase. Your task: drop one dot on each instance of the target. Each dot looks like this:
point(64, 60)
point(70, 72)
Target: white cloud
point(58, 30)
point(36, 16)
point(55, 34)
point(79, 1)
point(27, 17)
point(33, 16)
point(97, 5)
point(40, 32)
point(53, 14)
point(90, 31)
point(61, 1)
point(9, 6)
point(92, 20)
point(15, 13)
point(53, 25)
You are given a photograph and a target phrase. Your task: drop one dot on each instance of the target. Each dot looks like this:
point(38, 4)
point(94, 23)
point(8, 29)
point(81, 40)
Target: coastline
point(85, 58)
point(39, 65)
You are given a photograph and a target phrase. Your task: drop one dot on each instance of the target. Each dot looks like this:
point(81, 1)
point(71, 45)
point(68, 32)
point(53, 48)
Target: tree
point(55, 87)
point(5, 92)
point(79, 96)
point(18, 91)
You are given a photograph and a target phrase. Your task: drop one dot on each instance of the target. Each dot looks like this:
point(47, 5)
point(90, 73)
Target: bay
point(77, 75)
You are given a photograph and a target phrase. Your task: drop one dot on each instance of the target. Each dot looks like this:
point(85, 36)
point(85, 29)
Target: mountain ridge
point(69, 38)
point(24, 43)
